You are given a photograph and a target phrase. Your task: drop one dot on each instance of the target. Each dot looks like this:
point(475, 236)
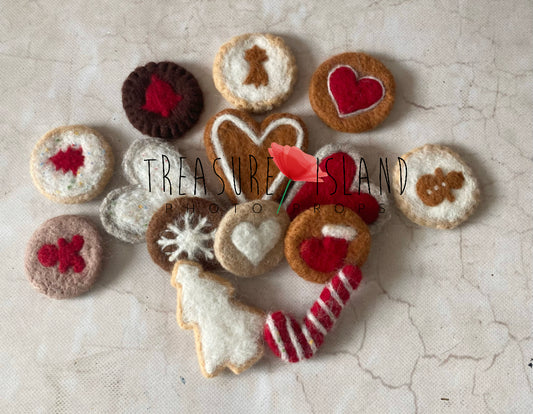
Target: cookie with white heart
point(184, 229)
point(320, 241)
point(440, 189)
point(156, 173)
point(352, 92)
point(249, 239)
point(71, 164)
point(255, 72)
point(237, 146)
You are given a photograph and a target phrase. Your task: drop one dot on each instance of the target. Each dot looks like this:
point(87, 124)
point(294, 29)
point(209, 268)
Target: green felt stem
point(282, 198)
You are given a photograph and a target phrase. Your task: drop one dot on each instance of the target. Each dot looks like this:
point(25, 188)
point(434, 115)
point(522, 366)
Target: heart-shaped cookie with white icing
point(236, 143)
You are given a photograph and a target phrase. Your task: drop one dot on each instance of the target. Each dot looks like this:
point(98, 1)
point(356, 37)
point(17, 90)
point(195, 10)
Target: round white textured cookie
point(255, 72)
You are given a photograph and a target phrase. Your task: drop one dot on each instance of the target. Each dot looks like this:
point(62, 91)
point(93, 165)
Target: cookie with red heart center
point(320, 241)
point(352, 92)
point(237, 146)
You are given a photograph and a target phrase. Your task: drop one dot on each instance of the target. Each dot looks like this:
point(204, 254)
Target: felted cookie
point(184, 229)
point(249, 239)
point(237, 146)
point(342, 187)
point(157, 173)
point(71, 164)
point(352, 92)
point(255, 72)
point(320, 241)
point(162, 99)
point(227, 332)
point(435, 188)
point(63, 256)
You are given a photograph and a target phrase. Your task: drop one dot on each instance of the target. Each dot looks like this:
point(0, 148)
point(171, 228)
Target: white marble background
point(443, 320)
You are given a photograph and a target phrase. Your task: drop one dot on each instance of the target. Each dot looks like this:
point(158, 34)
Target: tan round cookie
point(67, 268)
point(440, 190)
point(71, 164)
point(320, 241)
point(341, 92)
point(184, 229)
point(255, 72)
point(249, 239)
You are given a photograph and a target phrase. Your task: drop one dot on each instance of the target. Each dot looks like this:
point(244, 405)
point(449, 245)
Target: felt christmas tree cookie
point(255, 72)
point(352, 92)
point(71, 164)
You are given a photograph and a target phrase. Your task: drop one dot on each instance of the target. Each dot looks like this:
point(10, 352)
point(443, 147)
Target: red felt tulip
point(296, 165)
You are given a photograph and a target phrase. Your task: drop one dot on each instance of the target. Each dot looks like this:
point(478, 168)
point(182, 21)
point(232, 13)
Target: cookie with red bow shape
point(352, 92)
point(321, 241)
point(237, 146)
point(345, 183)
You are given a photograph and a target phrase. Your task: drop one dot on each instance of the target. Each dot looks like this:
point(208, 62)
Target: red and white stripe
point(293, 342)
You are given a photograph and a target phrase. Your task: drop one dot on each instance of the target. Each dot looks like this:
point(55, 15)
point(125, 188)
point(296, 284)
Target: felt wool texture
point(343, 162)
point(63, 256)
point(449, 212)
point(236, 138)
point(250, 238)
point(293, 342)
point(352, 92)
point(162, 99)
point(255, 72)
point(71, 164)
point(227, 332)
point(184, 229)
point(314, 249)
point(126, 211)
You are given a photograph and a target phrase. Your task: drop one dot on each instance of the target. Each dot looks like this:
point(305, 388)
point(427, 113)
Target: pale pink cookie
point(63, 256)
point(71, 164)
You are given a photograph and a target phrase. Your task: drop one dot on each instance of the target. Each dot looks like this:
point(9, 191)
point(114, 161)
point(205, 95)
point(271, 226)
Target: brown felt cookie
point(240, 145)
point(162, 99)
point(249, 239)
point(320, 241)
point(71, 164)
point(352, 92)
point(255, 72)
point(184, 229)
point(435, 187)
point(63, 256)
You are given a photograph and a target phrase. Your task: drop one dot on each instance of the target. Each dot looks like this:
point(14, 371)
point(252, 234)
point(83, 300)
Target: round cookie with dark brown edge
point(162, 99)
point(63, 256)
point(352, 92)
point(321, 241)
point(184, 229)
point(249, 239)
point(435, 188)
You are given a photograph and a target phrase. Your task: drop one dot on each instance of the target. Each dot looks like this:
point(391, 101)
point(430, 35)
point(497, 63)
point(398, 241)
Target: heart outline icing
point(243, 126)
point(254, 242)
point(357, 79)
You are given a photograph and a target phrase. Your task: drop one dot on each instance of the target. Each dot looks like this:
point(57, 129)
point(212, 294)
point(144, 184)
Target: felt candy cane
point(293, 342)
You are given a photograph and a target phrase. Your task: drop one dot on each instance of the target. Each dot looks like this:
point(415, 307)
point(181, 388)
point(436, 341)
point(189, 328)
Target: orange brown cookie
point(321, 240)
point(184, 229)
point(237, 146)
point(352, 92)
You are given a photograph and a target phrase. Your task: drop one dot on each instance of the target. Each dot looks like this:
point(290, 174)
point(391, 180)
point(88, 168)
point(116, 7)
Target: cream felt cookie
point(249, 239)
point(237, 146)
point(435, 188)
point(227, 332)
point(157, 174)
point(255, 72)
point(71, 164)
point(63, 256)
point(352, 92)
point(342, 187)
point(184, 229)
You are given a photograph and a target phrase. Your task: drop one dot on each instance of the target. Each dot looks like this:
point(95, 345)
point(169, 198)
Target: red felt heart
point(324, 255)
point(341, 170)
point(352, 95)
